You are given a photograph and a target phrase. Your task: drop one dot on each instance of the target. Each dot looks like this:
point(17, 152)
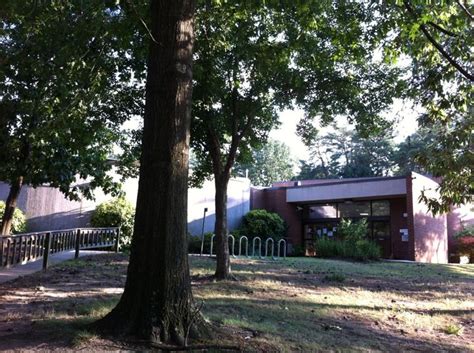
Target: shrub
point(19, 219)
point(465, 242)
point(116, 213)
point(353, 231)
point(329, 248)
point(194, 243)
point(352, 243)
point(297, 250)
point(263, 224)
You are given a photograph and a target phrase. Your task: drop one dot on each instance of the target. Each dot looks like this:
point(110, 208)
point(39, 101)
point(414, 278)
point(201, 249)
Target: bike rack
point(259, 247)
point(273, 247)
point(230, 236)
point(284, 248)
point(243, 237)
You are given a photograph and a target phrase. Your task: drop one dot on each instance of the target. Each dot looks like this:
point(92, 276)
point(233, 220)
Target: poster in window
point(404, 234)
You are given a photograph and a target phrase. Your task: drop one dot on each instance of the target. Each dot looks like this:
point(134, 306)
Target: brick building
point(398, 222)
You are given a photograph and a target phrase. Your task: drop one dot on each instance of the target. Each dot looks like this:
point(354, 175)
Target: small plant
point(263, 224)
point(82, 338)
point(352, 243)
point(116, 213)
point(453, 330)
point(19, 219)
point(335, 277)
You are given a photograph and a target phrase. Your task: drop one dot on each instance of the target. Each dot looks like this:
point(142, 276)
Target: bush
point(353, 231)
point(19, 219)
point(263, 224)
point(465, 242)
point(116, 213)
point(194, 243)
point(353, 243)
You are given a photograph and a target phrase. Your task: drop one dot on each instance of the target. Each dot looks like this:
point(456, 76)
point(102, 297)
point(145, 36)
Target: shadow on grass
point(314, 327)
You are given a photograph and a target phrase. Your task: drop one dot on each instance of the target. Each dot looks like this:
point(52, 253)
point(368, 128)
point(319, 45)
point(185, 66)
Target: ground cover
point(297, 304)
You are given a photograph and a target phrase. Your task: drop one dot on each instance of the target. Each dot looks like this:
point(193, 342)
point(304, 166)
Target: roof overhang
point(363, 189)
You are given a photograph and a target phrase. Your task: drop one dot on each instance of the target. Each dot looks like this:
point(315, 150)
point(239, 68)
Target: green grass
point(293, 304)
point(313, 304)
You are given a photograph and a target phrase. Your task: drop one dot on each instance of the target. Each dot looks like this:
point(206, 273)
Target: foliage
point(467, 231)
point(19, 219)
point(263, 224)
point(270, 163)
point(116, 213)
point(345, 153)
point(361, 250)
point(353, 231)
point(194, 243)
point(464, 242)
point(297, 250)
point(351, 243)
point(61, 110)
point(453, 329)
point(407, 152)
point(438, 40)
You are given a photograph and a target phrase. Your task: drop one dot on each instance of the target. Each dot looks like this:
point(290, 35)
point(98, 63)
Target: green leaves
point(63, 98)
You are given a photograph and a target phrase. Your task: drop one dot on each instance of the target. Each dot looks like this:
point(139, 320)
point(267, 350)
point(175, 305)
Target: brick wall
point(274, 200)
point(398, 210)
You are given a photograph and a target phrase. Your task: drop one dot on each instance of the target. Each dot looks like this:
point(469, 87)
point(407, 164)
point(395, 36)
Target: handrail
point(23, 248)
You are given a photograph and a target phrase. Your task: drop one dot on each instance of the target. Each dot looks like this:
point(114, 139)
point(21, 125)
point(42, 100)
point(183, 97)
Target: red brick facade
point(427, 234)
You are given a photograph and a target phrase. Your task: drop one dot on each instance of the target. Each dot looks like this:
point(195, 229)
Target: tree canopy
point(271, 163)
point(66, 87)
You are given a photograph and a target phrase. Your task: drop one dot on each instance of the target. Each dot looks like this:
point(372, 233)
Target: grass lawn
point(297, 304)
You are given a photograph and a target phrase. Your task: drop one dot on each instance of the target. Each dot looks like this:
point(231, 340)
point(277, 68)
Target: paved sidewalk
point(8, 274)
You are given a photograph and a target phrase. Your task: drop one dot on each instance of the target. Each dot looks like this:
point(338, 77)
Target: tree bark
point(220, 229)
point(10, 206)
point(157, 303)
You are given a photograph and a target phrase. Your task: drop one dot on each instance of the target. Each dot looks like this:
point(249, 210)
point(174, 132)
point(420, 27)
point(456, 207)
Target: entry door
point(381, 235)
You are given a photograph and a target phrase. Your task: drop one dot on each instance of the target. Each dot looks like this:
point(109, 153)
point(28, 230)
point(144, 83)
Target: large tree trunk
point(157, 302)
point(10, 206)
point(220, 229)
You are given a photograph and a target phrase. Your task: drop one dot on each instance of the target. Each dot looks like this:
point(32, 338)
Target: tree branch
point(438, 46)
point(441, 29)
point(466, 10)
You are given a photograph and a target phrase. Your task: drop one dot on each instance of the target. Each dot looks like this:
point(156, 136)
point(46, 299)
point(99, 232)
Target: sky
point(403, 115)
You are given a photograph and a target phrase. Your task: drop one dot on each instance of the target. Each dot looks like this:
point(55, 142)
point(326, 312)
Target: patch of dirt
point(49, 310)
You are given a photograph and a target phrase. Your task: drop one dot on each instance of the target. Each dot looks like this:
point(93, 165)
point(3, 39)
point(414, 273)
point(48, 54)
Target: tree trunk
point(10, 206)
point(220, 229)
point(157, 302)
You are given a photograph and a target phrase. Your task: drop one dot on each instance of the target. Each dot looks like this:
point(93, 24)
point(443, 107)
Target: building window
point(380, 208)
point(323, 211)
point(354, 209)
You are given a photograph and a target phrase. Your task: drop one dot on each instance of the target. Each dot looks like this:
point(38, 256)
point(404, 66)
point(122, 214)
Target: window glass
point(380, 208)
point(323, 211)
point(354, 209)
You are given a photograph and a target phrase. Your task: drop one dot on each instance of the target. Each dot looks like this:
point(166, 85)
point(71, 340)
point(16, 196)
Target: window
point(380, 208)
point(323, 211)
point(354, 209)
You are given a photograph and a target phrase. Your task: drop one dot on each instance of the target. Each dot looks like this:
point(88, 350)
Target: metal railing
point(20, 249)
point(269, 247)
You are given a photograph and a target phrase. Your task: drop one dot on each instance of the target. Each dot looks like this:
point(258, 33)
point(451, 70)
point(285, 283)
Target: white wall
point(47, 209)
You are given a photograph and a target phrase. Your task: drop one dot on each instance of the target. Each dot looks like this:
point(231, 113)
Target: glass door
point(381, 235)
